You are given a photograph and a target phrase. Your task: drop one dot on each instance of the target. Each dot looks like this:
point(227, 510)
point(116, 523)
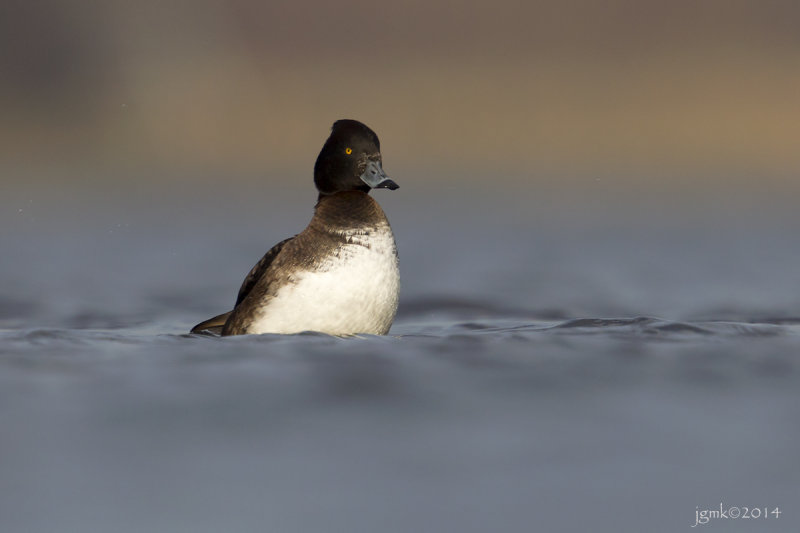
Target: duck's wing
point(215, 325)
point(257, 271)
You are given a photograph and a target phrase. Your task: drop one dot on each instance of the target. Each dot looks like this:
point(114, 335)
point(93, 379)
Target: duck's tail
point(212, 325)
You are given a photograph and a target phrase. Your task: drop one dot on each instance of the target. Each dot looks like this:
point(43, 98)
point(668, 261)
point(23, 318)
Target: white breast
point(353, 292)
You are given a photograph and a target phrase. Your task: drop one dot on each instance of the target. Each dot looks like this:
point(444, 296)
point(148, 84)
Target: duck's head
point(350, 160)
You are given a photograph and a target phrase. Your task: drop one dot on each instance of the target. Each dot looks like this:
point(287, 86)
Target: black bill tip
point(387, 184)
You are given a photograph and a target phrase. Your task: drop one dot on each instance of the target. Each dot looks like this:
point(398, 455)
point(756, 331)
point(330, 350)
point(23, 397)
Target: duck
point(340, 275)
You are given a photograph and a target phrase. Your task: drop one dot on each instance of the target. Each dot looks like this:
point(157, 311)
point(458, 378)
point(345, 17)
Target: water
point(554, 367)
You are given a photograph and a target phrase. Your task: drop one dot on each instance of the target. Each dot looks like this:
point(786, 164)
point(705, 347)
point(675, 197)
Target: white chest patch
point(355, 291)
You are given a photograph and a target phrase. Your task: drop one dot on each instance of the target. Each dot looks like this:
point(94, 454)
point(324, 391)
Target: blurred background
point(678, 94)
point(647, 146)
point(644, 145)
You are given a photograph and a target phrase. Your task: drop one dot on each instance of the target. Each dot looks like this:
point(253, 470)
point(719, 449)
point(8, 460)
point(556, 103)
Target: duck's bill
point(375, 177)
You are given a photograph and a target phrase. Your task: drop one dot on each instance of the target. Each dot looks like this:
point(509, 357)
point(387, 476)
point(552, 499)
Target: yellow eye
point(348, 151)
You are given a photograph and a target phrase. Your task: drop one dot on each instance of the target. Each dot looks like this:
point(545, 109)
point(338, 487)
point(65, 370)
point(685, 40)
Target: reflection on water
point(544, 373)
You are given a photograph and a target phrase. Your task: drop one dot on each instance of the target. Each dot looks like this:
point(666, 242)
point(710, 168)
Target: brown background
point(683, 93)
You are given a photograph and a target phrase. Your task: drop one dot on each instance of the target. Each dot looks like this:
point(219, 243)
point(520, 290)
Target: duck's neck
point(347, 210)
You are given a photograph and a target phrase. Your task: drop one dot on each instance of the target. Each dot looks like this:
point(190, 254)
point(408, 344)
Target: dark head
point(350, 160)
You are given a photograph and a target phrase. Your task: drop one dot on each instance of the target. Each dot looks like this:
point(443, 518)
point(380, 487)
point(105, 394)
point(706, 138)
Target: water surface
point(553, 367)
